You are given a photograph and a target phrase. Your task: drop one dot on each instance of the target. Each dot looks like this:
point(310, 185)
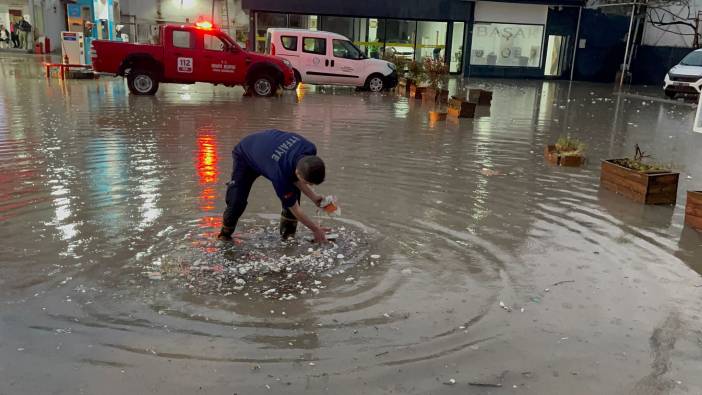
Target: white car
point(686, 76)
point(326, 58)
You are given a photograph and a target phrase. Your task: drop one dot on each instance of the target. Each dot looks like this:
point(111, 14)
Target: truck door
point(221, 60)
point(180, 53)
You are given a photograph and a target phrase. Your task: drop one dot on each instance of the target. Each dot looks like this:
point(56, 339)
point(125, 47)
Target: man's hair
point(312, 169)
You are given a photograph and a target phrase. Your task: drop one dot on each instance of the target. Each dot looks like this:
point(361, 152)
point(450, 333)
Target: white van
point(326, 58)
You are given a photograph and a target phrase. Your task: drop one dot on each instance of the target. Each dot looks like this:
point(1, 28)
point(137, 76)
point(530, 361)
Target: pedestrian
point(25, 29)
point(4, 37)
point(291, 163)
point(14, 34)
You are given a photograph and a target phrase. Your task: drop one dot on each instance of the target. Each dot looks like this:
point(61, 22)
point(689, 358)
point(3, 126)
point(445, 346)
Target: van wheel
point(142, 82)
point(263, 85)
point(375, 83)
point(295, 83)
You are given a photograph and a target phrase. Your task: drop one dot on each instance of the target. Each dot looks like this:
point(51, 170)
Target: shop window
point(397, 38)
point(264, 21)
point(213, 43)
point(511, 45)
point(299, 21)
point(289, 42)
point(182, 39)
point(337, 24)
point(456, 59)
point(431, 40)
point(314, 45)
point(345, 49)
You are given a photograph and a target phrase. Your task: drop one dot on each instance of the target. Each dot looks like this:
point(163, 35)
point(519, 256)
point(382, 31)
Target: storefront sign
point(505, 44)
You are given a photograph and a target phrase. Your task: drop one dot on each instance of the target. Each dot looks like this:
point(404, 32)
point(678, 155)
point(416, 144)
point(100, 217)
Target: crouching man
point(291, 163)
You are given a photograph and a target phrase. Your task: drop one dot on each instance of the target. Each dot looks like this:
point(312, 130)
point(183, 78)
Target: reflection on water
point(208, 175)
point(99, 189)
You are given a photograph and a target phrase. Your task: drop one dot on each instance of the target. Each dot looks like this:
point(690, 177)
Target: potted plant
point(415, 76)
point(567, 151)
point(459, 108)
point(693, 209)
point(401, 67)
point(436, 71)
point(480, 97)
point(640, 179)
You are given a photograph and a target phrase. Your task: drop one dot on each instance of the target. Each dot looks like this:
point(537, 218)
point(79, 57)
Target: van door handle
point(326, 62)
point(332, 63)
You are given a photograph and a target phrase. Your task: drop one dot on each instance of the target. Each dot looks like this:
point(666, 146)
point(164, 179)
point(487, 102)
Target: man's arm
point(314, 197)
point(320, 233)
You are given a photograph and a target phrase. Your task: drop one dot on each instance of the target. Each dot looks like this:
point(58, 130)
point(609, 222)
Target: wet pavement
point(497, 273)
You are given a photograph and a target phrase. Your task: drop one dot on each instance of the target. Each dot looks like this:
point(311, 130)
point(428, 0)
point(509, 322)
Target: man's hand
point(320, 234)
point(318, 200)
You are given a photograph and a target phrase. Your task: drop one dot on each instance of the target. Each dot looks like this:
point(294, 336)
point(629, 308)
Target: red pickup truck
point(188, 54)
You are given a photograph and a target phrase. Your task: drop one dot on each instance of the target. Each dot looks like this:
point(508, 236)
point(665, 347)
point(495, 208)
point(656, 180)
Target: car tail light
point(272, 49)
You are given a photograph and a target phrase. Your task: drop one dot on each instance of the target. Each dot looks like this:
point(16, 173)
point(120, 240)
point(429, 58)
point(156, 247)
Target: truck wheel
point(293, 85)
point(375, 83)
point(264, 85)
point(142, 82)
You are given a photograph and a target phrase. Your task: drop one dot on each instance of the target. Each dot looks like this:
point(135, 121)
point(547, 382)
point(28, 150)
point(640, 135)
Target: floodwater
point(99, 189)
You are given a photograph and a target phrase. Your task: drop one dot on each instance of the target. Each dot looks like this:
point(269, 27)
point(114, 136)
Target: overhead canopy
point(458, 10)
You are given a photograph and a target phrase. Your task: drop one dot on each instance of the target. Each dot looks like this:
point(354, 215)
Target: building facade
point(476, 38)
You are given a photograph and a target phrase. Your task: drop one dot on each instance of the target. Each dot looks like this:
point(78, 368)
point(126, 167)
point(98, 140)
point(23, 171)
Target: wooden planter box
point(646, 188)
point(435, 116)
point(460, 109)
point(693, 209)
point(417, 92)
point(480, 96)
point(554, 158)
point(432, 95)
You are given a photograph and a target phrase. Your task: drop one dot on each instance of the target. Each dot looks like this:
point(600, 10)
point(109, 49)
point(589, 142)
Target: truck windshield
point(692, 59)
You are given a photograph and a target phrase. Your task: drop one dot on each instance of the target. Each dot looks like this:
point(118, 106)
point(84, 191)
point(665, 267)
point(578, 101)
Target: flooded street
point(496, 270)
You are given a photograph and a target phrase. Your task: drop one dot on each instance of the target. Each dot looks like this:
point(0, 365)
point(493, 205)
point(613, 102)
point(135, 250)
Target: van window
point(345, 49)
point(182, 39)
point(289, 42)
point(314, 45)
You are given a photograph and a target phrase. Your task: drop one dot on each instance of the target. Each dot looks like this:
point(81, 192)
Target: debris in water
point(494, 385)
point(504, 306)
point(407, 271)
point(561, 282)
point(154, 275)
point(375, 256)
point(265, 265)
point(451, 382)
point(489, 172)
